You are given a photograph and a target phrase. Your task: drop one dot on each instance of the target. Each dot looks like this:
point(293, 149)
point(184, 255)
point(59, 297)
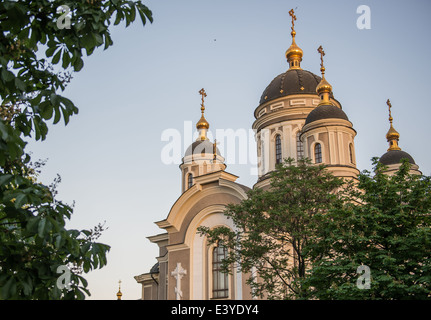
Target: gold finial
point(292, 14)
point(202, 124)
point(324, 89)
point(388, 102)
point(392, 136)
point(119, 294)
point(203, 94)
point(322, 54)
point(294, 53)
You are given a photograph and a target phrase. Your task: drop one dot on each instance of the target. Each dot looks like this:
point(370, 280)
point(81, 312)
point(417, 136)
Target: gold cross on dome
point(203, 94)
point(322, 53)
point(388, 102)
point(292, 14)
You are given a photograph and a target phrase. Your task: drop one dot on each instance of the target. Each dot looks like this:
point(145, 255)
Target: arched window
point(351, 153)
point(317, 153)
point(189, 180)
point(299, 147)
point(277, 148)
point(220, 280)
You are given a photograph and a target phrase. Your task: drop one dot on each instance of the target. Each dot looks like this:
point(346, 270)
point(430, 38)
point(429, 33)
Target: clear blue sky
point(109, 156)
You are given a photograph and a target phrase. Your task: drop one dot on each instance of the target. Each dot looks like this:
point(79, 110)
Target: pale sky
point(109, 156)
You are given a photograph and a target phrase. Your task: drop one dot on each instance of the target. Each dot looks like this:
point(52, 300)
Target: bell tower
point(202, 156)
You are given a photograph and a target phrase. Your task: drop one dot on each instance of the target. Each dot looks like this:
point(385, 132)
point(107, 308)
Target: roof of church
point(293, 81)
point(201, 146)
point(326, 112)
point(395, 156)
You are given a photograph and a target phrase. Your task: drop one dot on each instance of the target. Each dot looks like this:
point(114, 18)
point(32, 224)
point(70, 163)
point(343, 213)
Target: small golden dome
point(202, 123)
point(392, 134)
point(294, 52)
point(324, 86)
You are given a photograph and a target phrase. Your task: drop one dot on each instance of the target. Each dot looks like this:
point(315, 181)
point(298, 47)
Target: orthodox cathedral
point(297, 116)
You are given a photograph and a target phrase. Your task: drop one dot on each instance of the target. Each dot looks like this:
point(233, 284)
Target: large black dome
point(201, 147)
point(326, 112)
point(293, 81)
point(395, 156)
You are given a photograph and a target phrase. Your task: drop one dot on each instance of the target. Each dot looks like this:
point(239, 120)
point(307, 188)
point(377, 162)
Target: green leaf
point(41, 229)
point(20, 200)
point(57, 114)
point(78, 64)
point(5, 179)
point(50, 51)
point(66, 59)
point(20, 84)
point(32, 224)
point(56, 57)
point(9, 289)
point(7, 75)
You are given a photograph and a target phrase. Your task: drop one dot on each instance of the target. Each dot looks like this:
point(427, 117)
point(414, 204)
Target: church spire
point(202, 124)
point(119, 294)
point(294, 53)
point(324, 89)
point(392, 136)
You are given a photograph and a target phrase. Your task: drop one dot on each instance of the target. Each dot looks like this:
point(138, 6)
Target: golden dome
point(202, 123)
point(323, 86)
point(392, 134)
point(294, 52)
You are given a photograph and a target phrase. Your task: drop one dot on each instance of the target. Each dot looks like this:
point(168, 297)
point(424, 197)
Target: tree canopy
point(42, 43)
point(387, 230)
point(273, 226)
point(311, 235)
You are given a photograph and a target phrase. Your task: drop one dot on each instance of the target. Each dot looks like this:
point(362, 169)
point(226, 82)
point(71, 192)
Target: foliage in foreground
point(39, 51)
point(313, 236)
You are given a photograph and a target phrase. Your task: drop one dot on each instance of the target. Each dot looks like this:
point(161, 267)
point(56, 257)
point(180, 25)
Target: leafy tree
point(387, 229)
point(273, 227)
point(39, 51)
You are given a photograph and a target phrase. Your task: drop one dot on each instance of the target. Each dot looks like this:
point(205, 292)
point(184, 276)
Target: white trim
point(295, 102)
point(277, 105)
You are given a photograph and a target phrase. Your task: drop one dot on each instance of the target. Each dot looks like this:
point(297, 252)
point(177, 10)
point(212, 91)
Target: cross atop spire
point(202, 124)
point(292, 14)
point(203, 94)
point(119, 294)
point(324, 89)
point(322, 53)
point(294, 53)
point(392, 136)
point(388, 102)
